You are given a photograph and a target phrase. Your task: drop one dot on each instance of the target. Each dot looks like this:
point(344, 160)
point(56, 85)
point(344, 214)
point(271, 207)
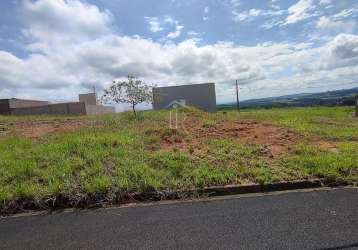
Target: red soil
point(275, 141)
point(36, 129)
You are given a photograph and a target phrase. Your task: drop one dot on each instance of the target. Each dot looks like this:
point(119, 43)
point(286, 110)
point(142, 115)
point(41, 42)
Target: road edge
point(123, 198)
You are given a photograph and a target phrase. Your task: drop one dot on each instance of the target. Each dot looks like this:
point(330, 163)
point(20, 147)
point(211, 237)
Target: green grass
point(335, 166)
point(331, 123)
point(124, 154)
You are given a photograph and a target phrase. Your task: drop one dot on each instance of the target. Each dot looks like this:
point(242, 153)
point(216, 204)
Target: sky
point(55, 49)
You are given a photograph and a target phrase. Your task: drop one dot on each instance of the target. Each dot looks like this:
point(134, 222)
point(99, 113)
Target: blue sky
point(53, 49)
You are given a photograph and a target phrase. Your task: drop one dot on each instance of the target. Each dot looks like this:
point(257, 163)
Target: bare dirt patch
point(36, 129)
point(275, 141)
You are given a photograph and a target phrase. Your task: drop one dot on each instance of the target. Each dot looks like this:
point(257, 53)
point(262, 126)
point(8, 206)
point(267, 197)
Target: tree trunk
point(134, 112)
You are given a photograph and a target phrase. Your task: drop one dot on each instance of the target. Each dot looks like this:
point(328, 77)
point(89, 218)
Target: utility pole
point(356, 105)
point(95, 96)
point(237, 97)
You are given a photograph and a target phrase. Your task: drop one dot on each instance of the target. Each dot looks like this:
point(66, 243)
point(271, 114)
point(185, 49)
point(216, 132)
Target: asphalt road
point(296, 220)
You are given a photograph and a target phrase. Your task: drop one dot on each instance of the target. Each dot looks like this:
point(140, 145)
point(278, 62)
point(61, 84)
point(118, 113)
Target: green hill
point(344, 97)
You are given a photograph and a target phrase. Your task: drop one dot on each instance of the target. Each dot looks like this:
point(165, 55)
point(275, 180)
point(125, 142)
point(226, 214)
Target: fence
point(75, 108)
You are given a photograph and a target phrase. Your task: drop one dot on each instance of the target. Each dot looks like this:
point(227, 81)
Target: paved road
point(296, 220)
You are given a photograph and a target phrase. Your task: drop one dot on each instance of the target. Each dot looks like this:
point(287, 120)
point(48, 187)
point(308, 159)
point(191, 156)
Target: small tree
point(132, 91)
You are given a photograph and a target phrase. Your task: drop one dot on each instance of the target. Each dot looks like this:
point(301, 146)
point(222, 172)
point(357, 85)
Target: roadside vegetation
point(44, 158)
point(328, 122)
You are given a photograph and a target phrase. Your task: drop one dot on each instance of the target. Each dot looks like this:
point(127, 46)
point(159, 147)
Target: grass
point(332, 123)
point(311, 160)
point(122, 154)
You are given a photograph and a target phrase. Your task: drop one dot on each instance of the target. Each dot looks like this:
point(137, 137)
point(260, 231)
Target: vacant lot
point(74, 158)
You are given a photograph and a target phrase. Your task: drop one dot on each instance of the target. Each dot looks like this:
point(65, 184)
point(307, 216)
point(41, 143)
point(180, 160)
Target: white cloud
point(275, 6)
point(86, 60)
point(157, 24)
point(195, 35)
point(235, 3)
point(170, 20)
point(345, 13)
point(176, 33)
point(269, 24)
point(46, 21)
point(325, 2)
point(342, 52)
point(249, 15)
point(206, 9)
point(154, 24)
point(192, 33)
point(237, 17)
point(327, 24)
point(300, 11)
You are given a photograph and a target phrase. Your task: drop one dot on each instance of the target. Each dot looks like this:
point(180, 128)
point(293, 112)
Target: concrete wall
point(43, 110)
point(98, 110)
point(201, 96)
point(74, 108)
point(20, 103)
point(90, 98)
point(4, 107)
point(32, 107)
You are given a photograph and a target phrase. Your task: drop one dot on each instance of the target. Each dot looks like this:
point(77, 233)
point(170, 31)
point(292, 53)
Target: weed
point(120, 154)
point(313, 161)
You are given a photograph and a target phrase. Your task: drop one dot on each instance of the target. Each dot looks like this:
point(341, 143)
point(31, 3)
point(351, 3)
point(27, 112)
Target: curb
point(121, 198)
point(225, 190)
